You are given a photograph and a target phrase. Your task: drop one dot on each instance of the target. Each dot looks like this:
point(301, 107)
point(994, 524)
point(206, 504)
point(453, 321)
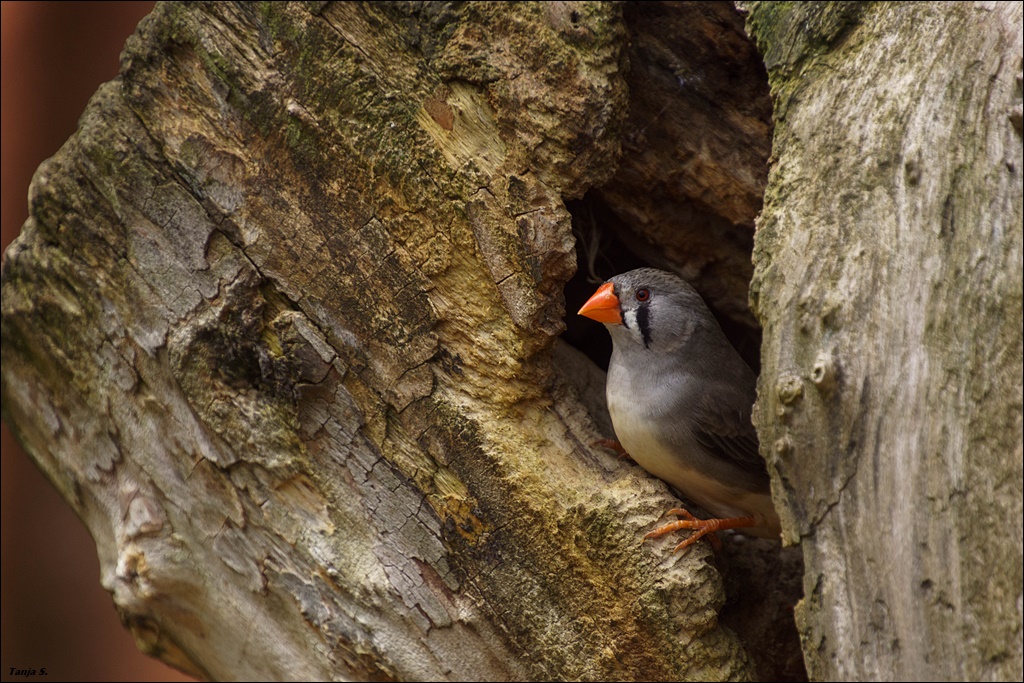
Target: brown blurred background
point(53, 610)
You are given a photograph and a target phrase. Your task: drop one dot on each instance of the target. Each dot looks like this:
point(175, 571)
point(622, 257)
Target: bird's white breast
point(636, 415)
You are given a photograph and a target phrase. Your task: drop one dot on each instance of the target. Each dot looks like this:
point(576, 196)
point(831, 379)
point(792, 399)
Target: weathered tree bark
point(889, 284)
point(282, 328)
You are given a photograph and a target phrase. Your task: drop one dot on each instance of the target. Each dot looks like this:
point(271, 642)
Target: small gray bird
point(680, 399)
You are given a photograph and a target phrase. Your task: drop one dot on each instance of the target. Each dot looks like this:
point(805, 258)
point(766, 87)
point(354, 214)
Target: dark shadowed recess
point(693, 170)
point(684, 198)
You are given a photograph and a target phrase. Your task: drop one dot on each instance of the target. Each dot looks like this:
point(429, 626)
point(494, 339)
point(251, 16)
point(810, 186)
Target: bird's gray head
point(652, 308)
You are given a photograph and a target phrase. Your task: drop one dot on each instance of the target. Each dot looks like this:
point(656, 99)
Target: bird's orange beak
point(603, 306)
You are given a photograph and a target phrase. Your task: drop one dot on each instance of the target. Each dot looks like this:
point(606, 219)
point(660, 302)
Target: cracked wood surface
point(280, 328)
point(888, 281)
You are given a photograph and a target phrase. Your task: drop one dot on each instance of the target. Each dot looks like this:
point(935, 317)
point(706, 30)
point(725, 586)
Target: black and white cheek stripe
point(643, 322)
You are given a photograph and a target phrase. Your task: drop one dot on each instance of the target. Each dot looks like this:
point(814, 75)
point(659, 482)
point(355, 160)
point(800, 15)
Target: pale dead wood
point(888, 281)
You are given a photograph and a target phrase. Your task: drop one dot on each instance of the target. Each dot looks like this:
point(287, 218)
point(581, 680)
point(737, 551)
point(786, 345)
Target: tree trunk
point(888, 281)
point(282, 327)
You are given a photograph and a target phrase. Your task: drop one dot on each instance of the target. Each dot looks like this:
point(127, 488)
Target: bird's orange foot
point(613, 445)
point(703, 527)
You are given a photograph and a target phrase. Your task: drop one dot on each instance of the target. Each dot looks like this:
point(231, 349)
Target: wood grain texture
point(888, 281)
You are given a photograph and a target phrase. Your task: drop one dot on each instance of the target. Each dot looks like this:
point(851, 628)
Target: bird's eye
point(643, 294)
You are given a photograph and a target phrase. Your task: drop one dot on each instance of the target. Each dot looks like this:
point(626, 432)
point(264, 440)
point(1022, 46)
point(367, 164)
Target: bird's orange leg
point(703, 527)
point(613, 445)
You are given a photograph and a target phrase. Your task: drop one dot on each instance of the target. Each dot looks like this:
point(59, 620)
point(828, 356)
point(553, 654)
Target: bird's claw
point(703, 527)
point(613, 445)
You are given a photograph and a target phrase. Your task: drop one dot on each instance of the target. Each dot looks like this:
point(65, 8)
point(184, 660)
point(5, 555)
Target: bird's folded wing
point(723, 427)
